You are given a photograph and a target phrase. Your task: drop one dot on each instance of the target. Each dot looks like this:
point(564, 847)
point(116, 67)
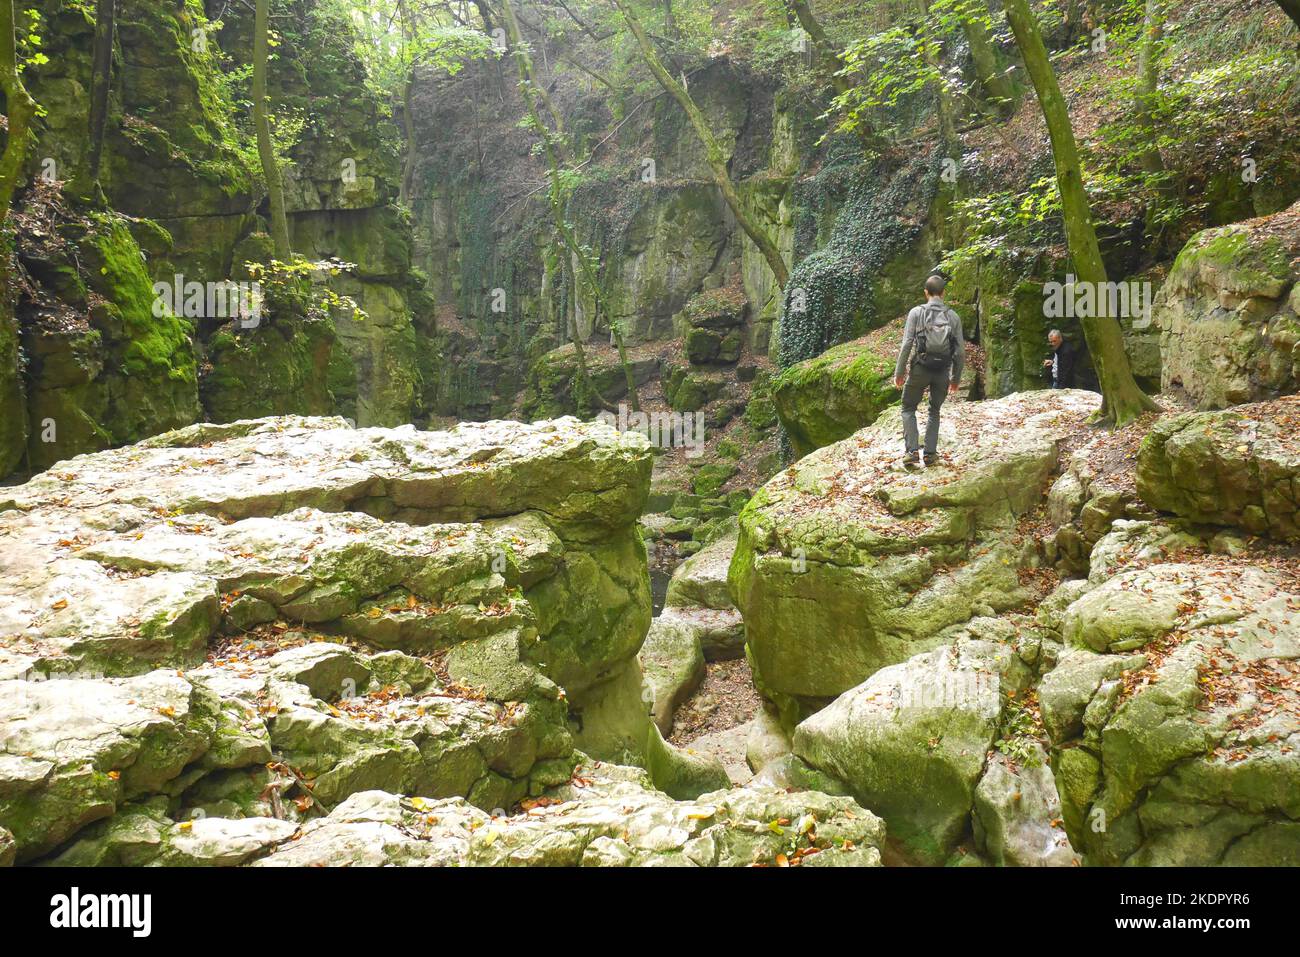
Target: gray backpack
point(935, 342)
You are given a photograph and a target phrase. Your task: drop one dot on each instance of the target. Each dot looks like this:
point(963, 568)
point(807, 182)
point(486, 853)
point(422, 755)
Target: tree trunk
point(21, 107)
point(1292, 9)
point(943, 101)
point(408, 120)
point(1122, 400)
point(830, 64)
point(101, 78)
point(670, 21)
point(555, 198)
point(265, 151)
point(408, 162)
point(998, 86)
point(713, 150)
point(1153, 27)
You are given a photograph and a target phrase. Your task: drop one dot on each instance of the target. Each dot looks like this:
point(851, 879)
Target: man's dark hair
point(935, 285)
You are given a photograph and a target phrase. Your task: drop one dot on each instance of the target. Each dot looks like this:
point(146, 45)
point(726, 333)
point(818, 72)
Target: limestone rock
point(1018, 814)
point(608, 816)
point(727, 745)
point(1229, 333)
point(683, 772)
point(673, 665)
point(143, 836)
point(823, 400)
point(702, 579)
point(846, 563)
point(504, 554)
point(554, 385)
point(1182, 752)
point(1236, 467)
point(767, 741)
point(910, 741)
point(73, 749)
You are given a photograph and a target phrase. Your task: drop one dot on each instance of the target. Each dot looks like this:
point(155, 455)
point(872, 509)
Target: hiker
point(933, 356)
point(1060, 368)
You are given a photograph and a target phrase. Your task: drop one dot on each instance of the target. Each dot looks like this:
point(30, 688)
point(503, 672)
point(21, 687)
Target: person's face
point(1055, 341)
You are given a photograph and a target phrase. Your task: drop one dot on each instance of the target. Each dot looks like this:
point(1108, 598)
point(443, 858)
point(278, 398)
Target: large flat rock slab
point(338, 610)
point(584, 475)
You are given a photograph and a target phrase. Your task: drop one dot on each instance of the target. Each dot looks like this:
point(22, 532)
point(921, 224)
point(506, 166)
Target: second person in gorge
point(932, 357)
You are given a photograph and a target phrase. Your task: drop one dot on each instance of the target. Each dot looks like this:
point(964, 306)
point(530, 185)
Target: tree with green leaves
point(1122, 399)
point(993, 74)
point(397, 38)
point(831, 65)
point(714, 154)
point(552, 144)
point(1150, 47)
point(905, 59)
point(932, 53)
point(262, 126)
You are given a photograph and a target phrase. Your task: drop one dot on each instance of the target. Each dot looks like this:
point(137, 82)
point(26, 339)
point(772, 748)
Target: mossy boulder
point(710, 326)
point(1172, 718)
point(1017, 813)
point(76, 749)
point(708, 479)
point(509, 551)
point(1230, 330)
point(555, 387)
point(760, 412)
point(124, 369)
point(910, 742)
point(616, 818)
point(701, 580)
point(823, 400)
point(673, 663)
point(275, 369)
point(846, 563)
point(689, 390)
point(1236, 467)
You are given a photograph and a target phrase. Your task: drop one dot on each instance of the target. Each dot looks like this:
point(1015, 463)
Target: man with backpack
point(932, 357)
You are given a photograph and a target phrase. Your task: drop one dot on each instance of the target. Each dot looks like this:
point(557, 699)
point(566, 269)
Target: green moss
point(156, 346)
point(276, 369)
point(828, 398)
point(1251, 267)
point(709, 479)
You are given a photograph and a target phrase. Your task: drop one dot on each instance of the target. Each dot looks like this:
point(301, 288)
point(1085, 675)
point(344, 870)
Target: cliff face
point(464, 293)
point(88, 361)
point(860, 236)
